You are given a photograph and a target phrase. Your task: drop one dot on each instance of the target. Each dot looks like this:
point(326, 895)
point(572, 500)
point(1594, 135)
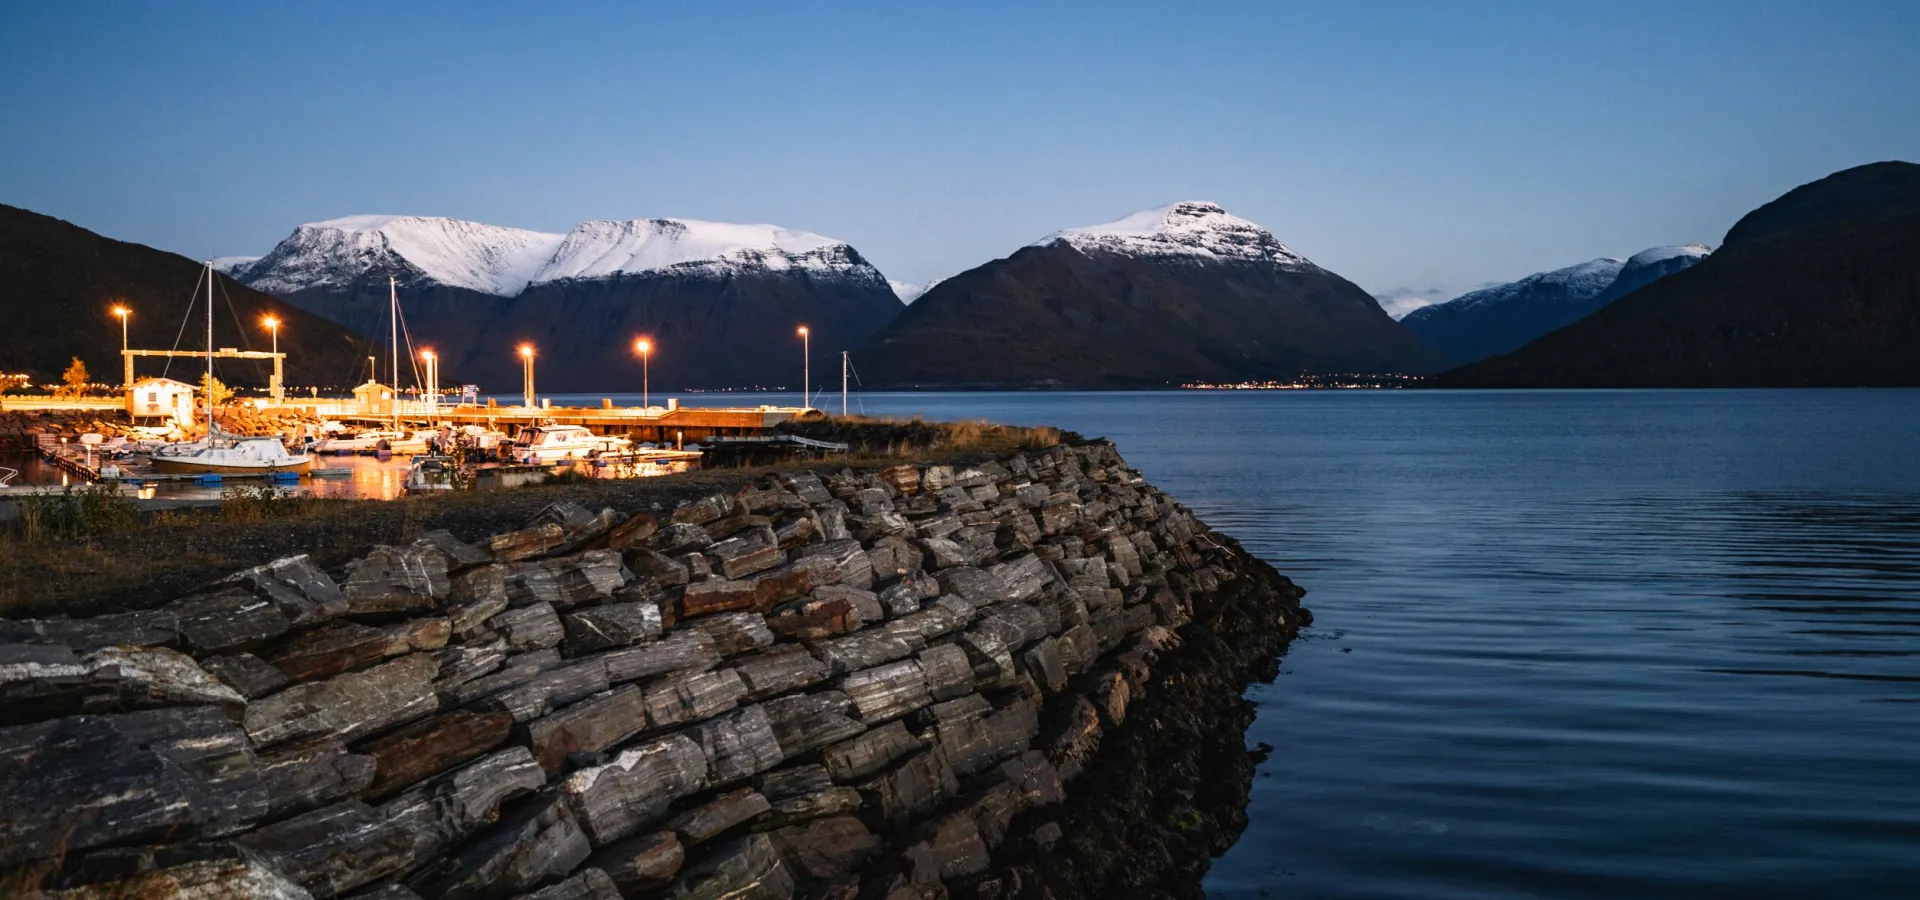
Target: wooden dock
point(660, 425)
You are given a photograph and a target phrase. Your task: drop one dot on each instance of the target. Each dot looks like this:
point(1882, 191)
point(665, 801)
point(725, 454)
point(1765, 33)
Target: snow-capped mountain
point(504, 261)
point(1179, 293)
point(417, 249)
point(1812, 289)
point(1649, 266)
point(1191, 229)
point(233, 265)
point(1570, 286)
point(1500, 319)
point(908, 292)
point(466, 286)
point(610, 249)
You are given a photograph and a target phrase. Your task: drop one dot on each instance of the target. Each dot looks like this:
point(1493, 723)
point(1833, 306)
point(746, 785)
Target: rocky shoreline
point(1018, 678)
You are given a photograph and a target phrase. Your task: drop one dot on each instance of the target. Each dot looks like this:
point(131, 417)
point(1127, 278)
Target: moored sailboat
point(234, 456)
point(218, 454)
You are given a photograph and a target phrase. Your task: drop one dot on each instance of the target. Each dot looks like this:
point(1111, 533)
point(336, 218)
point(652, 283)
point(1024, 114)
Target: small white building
point(162, 397)
point(374, 398)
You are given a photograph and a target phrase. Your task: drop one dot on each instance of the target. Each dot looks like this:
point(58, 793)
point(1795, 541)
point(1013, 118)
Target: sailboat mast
point(843, 384)
point(209, 353)
point(393, 328)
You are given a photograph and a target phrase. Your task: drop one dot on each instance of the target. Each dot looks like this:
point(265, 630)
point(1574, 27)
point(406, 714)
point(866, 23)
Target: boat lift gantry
point(279, 361)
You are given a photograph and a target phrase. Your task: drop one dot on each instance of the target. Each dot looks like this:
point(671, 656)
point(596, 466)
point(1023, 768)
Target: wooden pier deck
point(685, 424)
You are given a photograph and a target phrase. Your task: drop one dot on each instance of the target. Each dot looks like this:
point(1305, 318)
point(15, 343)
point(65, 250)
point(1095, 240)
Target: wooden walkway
point(686, 424)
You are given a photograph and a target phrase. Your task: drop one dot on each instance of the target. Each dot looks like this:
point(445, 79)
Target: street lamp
point(273, 325)
point(806, 364)
point(125, 357)
point(645, 348)
point(433, 385)
point(526, 387)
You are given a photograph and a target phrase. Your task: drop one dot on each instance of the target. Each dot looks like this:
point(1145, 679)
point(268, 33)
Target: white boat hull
point(187, 465)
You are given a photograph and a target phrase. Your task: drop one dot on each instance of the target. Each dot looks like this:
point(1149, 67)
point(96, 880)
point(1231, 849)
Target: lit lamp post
point(273, 325)
point(433, 385)
point(806, 364)
point(526, 387)
point(125, 357)
point(645, 348)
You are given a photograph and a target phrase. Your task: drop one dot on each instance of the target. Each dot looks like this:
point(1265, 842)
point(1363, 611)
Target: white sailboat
point(219, 454)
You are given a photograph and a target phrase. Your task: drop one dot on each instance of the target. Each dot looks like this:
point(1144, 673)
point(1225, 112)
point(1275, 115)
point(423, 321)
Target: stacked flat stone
point(831, 685)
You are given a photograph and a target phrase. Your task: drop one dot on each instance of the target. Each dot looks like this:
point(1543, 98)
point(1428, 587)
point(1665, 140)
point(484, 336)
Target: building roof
point(163, 382)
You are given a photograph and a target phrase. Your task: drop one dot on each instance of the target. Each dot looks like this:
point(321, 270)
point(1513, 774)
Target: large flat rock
point(90, 780)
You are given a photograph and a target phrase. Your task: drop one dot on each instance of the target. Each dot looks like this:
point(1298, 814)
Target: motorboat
point(364, 442)
point(414, 442)
point(553, 443)
point(432, 473)
point(234, 456)
point(482, 437)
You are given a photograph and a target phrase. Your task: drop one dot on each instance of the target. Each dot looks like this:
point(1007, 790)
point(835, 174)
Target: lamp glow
point(645, 348)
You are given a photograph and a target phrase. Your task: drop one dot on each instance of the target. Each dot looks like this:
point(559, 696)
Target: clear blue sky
point(1431, 146)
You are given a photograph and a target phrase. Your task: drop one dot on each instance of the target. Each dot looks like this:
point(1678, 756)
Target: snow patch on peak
point(606, 249)
point(907, 292)
point(1190, 228)
point(472, 255)
point(1604, 266)
point(1574, 284)
point(504, 261)
point(1662, 254)
point(233, 265)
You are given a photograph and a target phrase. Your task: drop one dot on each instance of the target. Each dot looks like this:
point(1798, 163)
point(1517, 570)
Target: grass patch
point(47, 517)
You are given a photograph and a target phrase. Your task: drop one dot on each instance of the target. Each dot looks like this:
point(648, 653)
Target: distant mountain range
point(1180, 293)
point(1818, 287)
point(1500, 319)
point(720, 301)
point(60, 280)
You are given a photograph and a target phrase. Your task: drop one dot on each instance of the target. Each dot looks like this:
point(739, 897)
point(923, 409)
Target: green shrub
point(96, 509)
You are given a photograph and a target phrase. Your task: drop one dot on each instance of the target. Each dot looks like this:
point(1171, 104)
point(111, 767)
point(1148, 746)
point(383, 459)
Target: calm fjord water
point(1568, 644)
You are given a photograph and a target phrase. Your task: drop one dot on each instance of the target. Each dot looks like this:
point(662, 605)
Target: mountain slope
point(60, 279)
point(907, 292)
point(1181, 293)
point(1501, 318)
point(721, 301)
point(1860, 194)
point(1649, 266)
point(1836, 304)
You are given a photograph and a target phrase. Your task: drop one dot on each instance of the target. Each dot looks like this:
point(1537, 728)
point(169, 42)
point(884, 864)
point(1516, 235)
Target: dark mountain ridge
point(720, 303)
point(1823, 305)
point(1181, 294)
point(1500, 318)
point(1861, 194)
point(58, 281)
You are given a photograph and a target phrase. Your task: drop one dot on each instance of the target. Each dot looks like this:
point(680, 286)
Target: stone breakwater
point(841, 685)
